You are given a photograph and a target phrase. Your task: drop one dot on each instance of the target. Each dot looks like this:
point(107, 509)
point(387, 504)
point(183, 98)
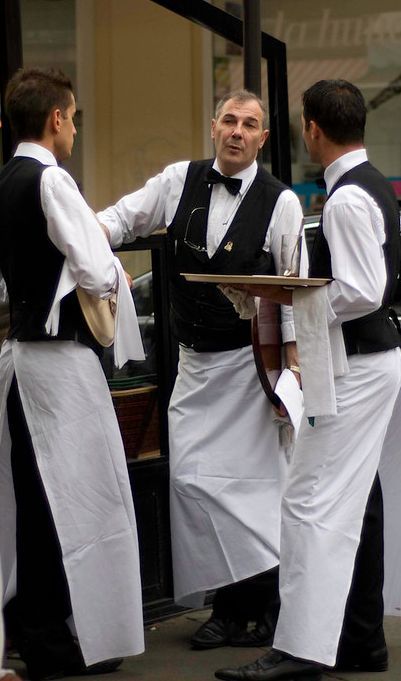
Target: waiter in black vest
point(59, 529)
point(223, 215)
point(336, 457)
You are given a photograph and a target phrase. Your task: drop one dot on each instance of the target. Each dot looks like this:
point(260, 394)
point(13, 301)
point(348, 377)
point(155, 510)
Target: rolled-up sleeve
point(150, 208)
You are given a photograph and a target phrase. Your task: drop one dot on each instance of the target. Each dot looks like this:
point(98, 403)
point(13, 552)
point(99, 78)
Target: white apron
point(80, 456)
point(390, 478)
point(227, 474)
point(334, 465)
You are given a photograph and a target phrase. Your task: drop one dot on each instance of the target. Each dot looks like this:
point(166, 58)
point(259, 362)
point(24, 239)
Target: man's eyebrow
point(252, 119)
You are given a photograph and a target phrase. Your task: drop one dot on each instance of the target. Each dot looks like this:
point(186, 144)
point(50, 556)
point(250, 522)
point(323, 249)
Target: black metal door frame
point(10, 61)
point(211, 18)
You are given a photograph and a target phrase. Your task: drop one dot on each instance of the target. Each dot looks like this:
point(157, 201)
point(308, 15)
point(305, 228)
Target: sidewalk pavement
point(168, 656)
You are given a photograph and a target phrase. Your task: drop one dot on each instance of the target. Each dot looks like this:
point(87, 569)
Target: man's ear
point(54, 120)
point(213, 128)
point(264, 137)
point(314, 130)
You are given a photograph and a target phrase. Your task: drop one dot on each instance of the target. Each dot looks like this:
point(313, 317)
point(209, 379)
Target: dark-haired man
point(224, 215)
point(337, 456)
point(66, 509)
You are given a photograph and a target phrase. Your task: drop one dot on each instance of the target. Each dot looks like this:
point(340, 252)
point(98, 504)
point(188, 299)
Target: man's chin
point(64, 156)
point(231, 165)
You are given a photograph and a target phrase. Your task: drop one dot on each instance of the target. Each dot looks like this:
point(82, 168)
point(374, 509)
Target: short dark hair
point(242, 96)
point(31, 95)
point(338, 108)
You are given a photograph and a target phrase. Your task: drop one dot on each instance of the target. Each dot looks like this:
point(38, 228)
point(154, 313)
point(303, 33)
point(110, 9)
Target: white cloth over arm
point(353, 223)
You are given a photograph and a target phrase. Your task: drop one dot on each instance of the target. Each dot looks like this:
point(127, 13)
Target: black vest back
point(202, 317)
point(374, 332)
point(29, 261)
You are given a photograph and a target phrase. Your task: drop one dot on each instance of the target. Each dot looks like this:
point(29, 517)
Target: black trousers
point(363, 620)
point(257, 599)
point(35, 619)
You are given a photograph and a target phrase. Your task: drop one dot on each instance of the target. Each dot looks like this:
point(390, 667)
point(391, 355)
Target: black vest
point(30, 263)
point(374, 332)
point(202, 317)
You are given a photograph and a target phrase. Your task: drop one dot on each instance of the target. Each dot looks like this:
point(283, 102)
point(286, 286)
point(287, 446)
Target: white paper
point(289, 392)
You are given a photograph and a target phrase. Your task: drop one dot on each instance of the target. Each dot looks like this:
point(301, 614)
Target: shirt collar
point(247, 175)
point(341, 165)
point(36, 151)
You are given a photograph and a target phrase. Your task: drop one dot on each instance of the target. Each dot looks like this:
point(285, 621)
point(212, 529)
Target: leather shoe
point(104, 667)
point(260, 635)
point(215, 633)
point(368, 661)
point(273, 666)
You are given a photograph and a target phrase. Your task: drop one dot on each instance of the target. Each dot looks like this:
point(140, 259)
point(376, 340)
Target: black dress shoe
point(261, 635)
point(273, 666)
point(104, 667)
point(367, 661)
point(215, 633)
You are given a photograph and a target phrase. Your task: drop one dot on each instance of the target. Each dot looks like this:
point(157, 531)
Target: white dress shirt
point(71, 225)
point(353, 223)
point(154, 206)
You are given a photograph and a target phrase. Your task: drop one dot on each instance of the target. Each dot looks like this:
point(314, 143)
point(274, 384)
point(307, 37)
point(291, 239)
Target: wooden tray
point(258, 279)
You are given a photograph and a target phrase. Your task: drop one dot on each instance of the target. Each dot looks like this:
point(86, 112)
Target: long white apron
point(390, 478)
point(227, 474)
point(80, 456)
point(334, 465)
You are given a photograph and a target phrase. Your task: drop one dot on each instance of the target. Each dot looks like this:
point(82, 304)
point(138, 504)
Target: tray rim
point(257, 279)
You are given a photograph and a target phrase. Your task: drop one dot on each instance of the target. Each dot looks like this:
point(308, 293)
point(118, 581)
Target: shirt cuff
point(288, 332)
point(116, 237)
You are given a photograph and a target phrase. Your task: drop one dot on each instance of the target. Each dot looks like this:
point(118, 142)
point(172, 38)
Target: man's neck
point(335, 151)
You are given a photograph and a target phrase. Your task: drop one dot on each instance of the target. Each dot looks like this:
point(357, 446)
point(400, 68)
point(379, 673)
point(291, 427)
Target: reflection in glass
point(134, 387)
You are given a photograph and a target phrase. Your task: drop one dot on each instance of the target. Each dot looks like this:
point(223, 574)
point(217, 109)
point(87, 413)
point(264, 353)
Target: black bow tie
point(232, 184)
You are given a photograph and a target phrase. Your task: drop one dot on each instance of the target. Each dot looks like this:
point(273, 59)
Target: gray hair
point(242, 96)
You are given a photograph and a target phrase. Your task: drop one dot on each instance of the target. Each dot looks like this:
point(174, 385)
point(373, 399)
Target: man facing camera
point(227, 466)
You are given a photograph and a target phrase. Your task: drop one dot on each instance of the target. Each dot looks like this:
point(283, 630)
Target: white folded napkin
point(321, 351)
point(243, 302)
point(127, 340)
point(289, 392)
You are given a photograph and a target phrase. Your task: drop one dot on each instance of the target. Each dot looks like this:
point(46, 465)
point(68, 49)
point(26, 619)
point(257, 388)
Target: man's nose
point(237, 131)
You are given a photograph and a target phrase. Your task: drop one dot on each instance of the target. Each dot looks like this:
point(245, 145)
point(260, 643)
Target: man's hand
point(281, 410)
point(129, 279)
point(291, 360)
point(277, 294)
